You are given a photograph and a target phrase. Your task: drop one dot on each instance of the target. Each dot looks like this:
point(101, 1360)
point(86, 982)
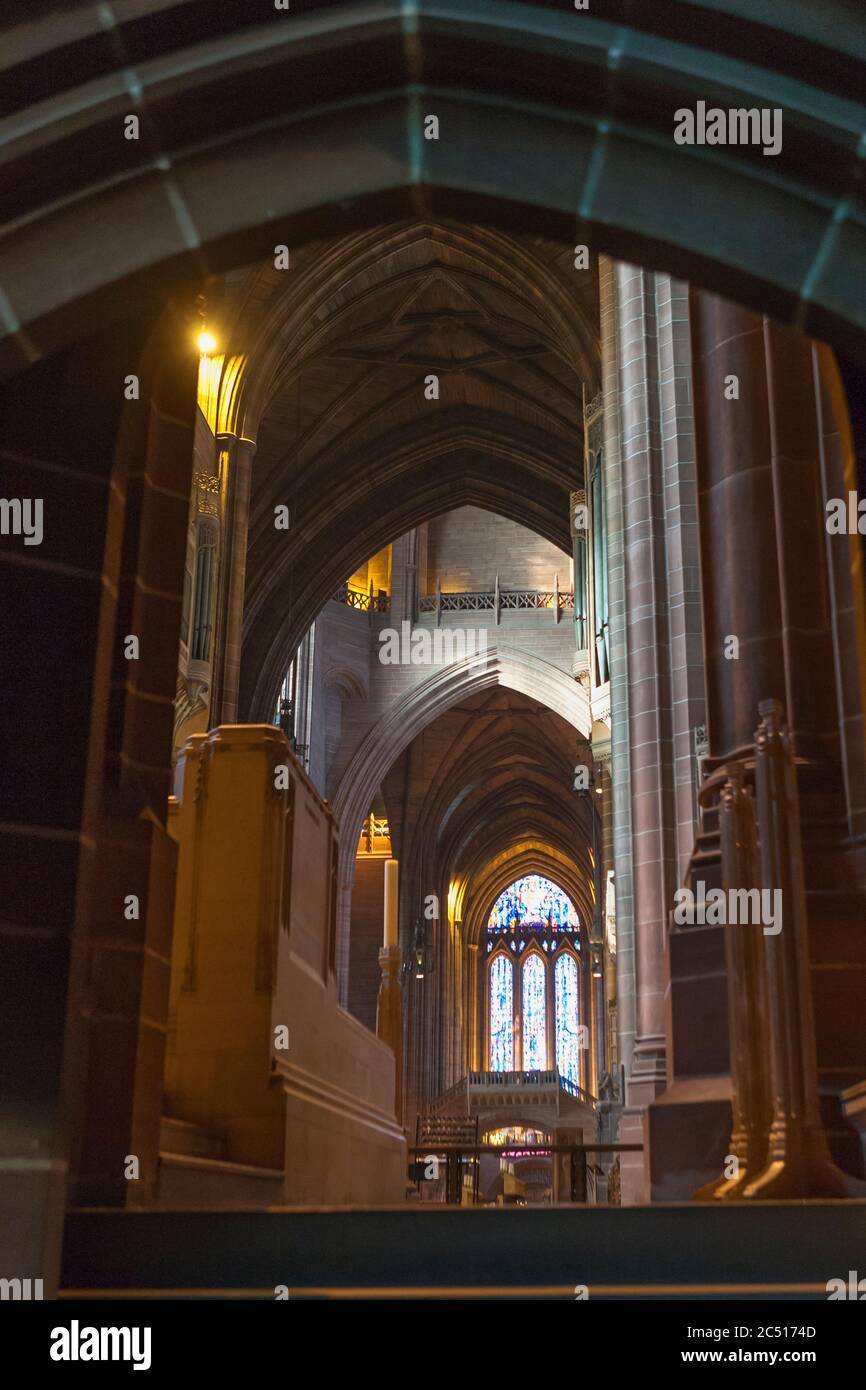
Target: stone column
point(86, 770)
point(765, 402)
point(608, 1118)
point(620, 751)
point(116, 1026)
point(473, 1060)
point(650, 737)
point(232, 578)
point(389, 1016)
point(607, 984)
point(655, 621)
point(404, 578)
point(762, 531)
point(845, 555)
point(389, 1009)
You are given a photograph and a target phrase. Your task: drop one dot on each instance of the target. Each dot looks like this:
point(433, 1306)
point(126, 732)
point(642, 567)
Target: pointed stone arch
point(463, 467)
point(420, 706)
point(532, 858)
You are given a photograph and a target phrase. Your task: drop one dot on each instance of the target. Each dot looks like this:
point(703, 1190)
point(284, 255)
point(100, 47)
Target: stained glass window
point(566, 990)
point(534, 1011)
point(539, 926)
point(530, 902)
point(501, 1014)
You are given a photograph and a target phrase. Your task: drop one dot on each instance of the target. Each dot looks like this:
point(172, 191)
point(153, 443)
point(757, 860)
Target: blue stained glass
point(501, 1014)
point(534, 1011)
point(532, 901)
point(566, 990)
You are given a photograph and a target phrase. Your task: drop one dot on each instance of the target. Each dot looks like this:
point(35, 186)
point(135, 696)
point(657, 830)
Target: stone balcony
point(542, 1099)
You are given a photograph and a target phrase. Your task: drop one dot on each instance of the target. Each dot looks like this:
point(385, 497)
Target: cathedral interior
point(433, 649)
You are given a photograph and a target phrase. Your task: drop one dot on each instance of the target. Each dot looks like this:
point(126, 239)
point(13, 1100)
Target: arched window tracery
point(534, 998)
point(501, 1013)
point(566, 982)
point(535, 980)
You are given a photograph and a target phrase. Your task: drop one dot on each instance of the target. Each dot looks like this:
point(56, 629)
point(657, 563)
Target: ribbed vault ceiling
point(339, 348)
point(485, 794)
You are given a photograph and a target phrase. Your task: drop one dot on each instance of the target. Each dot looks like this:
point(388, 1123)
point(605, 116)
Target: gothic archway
point(421, 705)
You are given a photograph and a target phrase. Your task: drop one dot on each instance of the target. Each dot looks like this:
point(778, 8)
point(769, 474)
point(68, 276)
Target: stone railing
point(531, 1081)
point(513, 1078)
point(497, 600)
point(368, 602)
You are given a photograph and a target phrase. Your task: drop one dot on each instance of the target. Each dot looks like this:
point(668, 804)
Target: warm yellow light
point(206, 343)
point(456, 891)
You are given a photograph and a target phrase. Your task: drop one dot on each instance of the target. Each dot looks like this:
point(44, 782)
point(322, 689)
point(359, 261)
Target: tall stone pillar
point(762, 531)
point(232, 579)
point(619, 702)
point(405, 579)
point(845, 557)
point(389, 1008)
point(473, 1010)
point(655, 613)
point(86, 740)
point(780, 623)
point(116, 1025)
point(606, 985)
point(55, 451)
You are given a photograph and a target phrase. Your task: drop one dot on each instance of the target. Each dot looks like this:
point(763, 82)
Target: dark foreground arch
point(258, 126)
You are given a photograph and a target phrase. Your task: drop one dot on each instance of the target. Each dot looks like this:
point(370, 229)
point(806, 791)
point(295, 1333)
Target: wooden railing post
point(777, 1137)
point(746, 985)
point(580, 1184)
point(798, 1160)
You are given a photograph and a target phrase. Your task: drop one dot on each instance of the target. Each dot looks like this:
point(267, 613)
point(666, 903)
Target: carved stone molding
point(192, 695)
point(207, 494)
point(601, 710)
